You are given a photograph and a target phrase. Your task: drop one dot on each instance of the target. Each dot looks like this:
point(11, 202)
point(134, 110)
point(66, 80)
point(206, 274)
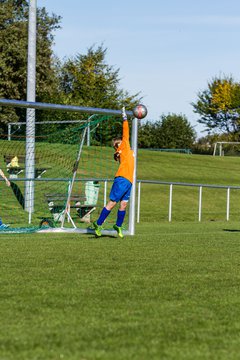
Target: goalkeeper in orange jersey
point(121, 188)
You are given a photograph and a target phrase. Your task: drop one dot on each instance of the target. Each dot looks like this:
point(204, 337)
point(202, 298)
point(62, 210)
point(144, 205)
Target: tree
point(87, 80)
point(176, 132)
point(171, 132)
point(147, 134)
point(84, 80)
point(219, 105)
point(13, 54)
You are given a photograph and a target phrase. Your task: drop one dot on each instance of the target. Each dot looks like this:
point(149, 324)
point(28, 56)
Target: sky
point(166, 50)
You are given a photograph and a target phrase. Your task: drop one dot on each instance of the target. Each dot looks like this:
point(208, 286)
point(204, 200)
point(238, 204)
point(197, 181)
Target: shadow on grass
point(94, 237)
point(232, 230)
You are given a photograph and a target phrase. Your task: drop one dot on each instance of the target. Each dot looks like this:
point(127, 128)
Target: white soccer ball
point(140, 111)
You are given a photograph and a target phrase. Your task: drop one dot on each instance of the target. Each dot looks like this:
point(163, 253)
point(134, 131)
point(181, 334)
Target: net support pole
point(66, 211)
point(9, 132)
point(30, 114)
point(132, 203)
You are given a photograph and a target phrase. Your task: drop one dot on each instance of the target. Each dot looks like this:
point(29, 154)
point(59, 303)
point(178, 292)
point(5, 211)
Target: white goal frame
point(221, 143)
point(89, 110)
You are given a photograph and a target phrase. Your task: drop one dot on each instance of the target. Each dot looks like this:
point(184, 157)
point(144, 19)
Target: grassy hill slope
point(196, 169)
point(176, 167)
point(152, 165)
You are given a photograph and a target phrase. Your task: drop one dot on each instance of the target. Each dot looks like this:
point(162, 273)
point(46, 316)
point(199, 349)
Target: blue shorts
point(121, 189)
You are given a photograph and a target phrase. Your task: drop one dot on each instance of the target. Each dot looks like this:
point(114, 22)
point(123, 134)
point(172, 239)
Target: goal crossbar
point(47, 106)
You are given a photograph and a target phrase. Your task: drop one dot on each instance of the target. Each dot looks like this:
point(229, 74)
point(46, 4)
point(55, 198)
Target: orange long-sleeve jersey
point(126, 167)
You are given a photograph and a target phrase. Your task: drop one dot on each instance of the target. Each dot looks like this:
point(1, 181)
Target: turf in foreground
point(170, 292)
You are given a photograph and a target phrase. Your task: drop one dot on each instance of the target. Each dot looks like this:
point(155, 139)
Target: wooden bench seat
point(57, 203)
point(60, 198)
point(14, 171)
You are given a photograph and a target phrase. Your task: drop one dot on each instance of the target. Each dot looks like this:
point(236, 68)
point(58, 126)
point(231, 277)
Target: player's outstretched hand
point(124, 115)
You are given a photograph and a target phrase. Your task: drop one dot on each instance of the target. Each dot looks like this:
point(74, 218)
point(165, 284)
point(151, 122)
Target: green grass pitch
point(170, 292)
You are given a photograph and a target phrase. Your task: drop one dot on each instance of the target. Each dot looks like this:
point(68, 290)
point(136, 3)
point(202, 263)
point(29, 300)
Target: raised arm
point(125, 133)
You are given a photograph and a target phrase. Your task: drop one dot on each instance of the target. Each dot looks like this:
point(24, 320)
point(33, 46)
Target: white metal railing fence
point(172, 184)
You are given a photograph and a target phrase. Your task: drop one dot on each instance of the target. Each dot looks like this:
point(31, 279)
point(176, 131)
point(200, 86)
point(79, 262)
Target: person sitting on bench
point(13, 163)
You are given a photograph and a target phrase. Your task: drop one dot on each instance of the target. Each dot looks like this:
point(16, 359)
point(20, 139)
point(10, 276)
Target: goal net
point(222, 148)
point(61, 175)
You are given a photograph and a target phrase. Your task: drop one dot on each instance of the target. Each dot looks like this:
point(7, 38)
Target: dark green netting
point(20, 230)
point(56, 149)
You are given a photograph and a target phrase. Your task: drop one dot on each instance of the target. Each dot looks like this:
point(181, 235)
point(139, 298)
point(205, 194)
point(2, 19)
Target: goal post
point(53, 173)
point(219, 146)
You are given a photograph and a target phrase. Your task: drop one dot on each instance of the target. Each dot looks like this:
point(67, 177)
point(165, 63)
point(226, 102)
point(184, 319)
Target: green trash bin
point(91, 192)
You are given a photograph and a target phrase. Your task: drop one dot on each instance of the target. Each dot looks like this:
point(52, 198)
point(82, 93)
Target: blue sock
point(0, 221)
point(120, 217)
point(104, 214)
